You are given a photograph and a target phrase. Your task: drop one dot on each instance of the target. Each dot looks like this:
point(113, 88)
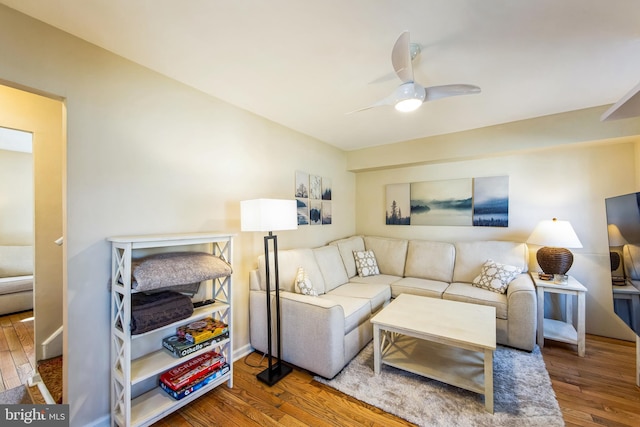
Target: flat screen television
point(623, 229)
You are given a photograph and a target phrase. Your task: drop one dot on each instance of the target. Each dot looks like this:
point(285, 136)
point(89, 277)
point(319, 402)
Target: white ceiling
point(304, 64)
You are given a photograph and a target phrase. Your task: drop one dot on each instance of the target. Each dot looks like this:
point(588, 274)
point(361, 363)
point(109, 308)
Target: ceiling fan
point(410, 95)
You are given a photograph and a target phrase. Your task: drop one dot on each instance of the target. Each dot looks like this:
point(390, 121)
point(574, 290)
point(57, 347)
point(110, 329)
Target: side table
point(555, 329)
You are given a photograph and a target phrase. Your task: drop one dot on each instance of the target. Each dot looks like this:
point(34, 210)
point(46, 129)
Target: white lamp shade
point(268, 215)
point(615, 236)
point(554, 233)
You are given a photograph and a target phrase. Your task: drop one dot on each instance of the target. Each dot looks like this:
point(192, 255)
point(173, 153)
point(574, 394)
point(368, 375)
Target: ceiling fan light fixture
point(409, 97)
point(408, 105)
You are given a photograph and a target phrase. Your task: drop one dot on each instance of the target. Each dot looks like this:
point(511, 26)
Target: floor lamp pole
point(278, 370)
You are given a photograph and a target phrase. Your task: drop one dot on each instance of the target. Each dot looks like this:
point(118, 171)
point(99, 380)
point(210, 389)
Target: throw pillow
point(366, 264)
point(303, 284)
point(495, 276)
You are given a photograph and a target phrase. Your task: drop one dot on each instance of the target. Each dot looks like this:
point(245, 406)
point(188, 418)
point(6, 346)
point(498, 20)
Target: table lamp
point(555, 236)
point(616, 242)
point(269, 215)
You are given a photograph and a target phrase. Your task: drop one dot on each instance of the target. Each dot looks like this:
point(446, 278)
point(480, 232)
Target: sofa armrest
point(522, 312)
point(312, 331)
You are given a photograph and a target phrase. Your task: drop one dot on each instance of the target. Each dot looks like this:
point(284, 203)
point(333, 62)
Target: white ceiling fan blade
point(401, 58)
point(386, 101)
point(404, 92)
point(444, 91)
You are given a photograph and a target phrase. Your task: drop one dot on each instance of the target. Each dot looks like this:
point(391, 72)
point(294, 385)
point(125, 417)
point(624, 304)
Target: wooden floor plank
point(17, 351)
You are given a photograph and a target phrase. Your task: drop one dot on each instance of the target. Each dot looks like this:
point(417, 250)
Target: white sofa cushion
point(390, 253)
point(417, 286)
point(379, 279)
point(331, 266)
point(470, 256)
point(378, 295)
point(346, 248)
point(289, 262)
point(356, 310)
point(430, 260)
point(465, 292)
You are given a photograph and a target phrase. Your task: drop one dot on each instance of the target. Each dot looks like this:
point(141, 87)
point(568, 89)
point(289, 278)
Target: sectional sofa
point(323, 333)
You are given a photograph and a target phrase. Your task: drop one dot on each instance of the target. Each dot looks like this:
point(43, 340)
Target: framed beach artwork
point(446, 202)
point(491, 201)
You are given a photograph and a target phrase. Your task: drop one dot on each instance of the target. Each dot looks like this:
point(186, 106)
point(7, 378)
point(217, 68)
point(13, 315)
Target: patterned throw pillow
point(303, 284)
point(495, 276)
point(366, 264)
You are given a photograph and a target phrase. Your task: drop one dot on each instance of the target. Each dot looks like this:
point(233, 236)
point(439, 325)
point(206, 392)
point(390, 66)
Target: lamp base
point(554, 260)
point(272, 375)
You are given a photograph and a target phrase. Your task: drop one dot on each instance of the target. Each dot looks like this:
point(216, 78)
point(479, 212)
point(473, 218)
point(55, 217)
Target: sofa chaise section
point(319, 333)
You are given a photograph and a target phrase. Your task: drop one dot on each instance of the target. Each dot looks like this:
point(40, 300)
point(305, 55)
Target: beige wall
point(16, 198)
point(43, 117)
point(569, 182)
point(535, 134)
point(146, 154)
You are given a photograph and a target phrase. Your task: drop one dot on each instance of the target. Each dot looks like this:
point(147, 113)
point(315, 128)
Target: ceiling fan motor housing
point(409, 96)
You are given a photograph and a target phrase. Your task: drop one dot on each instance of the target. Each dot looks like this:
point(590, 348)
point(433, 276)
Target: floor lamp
point(269, 215)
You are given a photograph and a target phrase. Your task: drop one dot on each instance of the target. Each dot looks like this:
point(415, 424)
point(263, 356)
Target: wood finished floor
point(17, 357)
point(597, 390)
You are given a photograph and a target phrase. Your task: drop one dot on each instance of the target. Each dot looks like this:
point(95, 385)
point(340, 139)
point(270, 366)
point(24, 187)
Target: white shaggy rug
point(523, 395)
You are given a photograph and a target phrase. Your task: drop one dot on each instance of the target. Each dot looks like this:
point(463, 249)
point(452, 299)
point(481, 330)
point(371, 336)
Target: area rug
point(523, 395)
point(50, 371)
point(15, 396)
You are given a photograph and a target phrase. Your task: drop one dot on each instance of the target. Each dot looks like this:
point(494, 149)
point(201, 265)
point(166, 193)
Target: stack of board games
point(202, 330)
point(197, 384)
point(193, 374)
point(181, 347)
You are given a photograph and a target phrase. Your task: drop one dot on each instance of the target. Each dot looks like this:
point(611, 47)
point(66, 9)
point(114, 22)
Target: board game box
point(181, 347)
point(202, 330)
point(197, 384)
point(192, 369)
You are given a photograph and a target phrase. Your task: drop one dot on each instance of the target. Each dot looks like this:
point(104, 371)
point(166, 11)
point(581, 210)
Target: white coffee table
point(448, 341)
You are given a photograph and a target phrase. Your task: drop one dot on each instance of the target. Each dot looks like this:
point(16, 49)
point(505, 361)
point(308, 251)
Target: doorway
point(43, 117)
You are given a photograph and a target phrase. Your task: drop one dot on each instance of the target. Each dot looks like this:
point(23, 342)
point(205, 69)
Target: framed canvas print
point(398, 204)
point(491, 201)
point(315, 212)
point(315, 187)
point(326, 188)
point(303, 210)
point(326, 212)
point(441, 202)
point(302, 185)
